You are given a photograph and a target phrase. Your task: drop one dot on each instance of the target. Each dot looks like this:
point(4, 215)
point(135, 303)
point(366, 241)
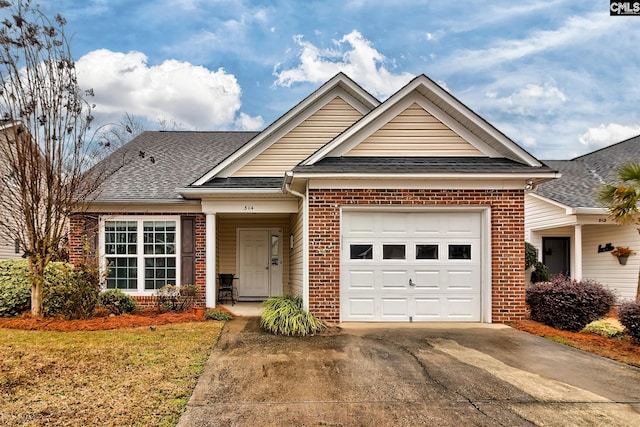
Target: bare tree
point(43, 146)
point(114, 135)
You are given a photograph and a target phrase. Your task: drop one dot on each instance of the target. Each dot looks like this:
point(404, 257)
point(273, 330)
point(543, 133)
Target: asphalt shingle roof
point(245, 182)
point(179, 159)
point(582, 176)
point(401, 165)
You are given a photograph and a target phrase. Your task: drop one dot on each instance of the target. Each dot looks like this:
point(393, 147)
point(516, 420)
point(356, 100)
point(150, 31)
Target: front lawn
point(122, 377)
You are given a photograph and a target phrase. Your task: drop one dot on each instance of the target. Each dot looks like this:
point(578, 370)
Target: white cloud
point(353, 55)
point(576, 30)
point(530, 100)
point(247, 122)
point(604, 135)
point(172, 90)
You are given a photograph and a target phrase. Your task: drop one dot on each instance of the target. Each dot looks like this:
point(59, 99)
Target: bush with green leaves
point(530, 255)
point(629, 316)
point(177, 298)
point(15, 288)
point(69, 292)
point(214, 314)
point(604, 328)
point(285, 315)
point(117, 302)
point(539, 273)
point(568, 304)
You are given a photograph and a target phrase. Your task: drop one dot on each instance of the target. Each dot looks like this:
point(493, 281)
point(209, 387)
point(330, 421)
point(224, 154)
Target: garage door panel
point(428, 308)
point(427, 225)
point(427, 279)
point(361, 308)
point(394, 223)
point(394, 308)
point(391, 279)
point(359, 223)
point(462, 280)
point(463, 225)
point(361, 279)
point(463, 309)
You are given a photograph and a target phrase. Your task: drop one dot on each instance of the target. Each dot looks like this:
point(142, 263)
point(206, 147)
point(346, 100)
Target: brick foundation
point(507, 241)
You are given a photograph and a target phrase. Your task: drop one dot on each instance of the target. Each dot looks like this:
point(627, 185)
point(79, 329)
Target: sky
point(559, 77)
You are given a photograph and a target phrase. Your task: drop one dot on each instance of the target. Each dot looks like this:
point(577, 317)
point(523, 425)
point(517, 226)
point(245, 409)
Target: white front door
point(259, 270)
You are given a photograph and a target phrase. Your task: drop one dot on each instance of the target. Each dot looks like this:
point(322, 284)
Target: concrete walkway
point(409, 375)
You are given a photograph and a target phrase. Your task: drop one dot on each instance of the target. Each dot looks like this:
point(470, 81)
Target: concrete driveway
point(409, 375)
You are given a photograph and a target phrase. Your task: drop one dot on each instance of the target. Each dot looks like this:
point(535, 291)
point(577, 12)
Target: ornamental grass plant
point(285, 315)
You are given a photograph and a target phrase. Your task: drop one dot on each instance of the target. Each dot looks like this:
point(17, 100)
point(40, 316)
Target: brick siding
point(507, 241)
point(77, 237)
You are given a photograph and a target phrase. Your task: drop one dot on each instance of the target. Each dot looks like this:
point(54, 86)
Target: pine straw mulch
point(148, 317)
point(623, 348)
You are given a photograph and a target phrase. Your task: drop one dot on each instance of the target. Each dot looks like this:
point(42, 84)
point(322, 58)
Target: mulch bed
point(622, 349)
point(142, 318)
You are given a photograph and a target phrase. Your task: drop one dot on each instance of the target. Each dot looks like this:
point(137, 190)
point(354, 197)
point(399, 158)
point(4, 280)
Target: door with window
point(417, 266)
point(556, 255)
point(259, 264)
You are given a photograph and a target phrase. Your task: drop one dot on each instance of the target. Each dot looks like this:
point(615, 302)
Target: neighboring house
point(9, 247)
point(573, 231)
point(407, 210)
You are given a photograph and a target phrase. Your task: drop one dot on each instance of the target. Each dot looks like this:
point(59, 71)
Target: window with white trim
point(141, 253)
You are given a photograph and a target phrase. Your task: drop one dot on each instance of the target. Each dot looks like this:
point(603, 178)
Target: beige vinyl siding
point(7, 248)
point(543, 215)
point(414, 132)
point(320, 128)
point(604, 267)
point(226, 240)
point(296, 255)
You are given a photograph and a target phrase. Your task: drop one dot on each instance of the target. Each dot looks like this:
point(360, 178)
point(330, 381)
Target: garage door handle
point(411, 283)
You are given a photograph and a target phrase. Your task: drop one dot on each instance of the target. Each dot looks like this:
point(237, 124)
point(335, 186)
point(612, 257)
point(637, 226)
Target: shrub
point(71, 292)
point(117, 302)
point(567, 304)
point(177, 298)
point(540, 273)
point(15, 288)
point(68, 292)
point(629, 315)
point(530, 255)
point(603, 328)
point(217, 315)
point(285, 315)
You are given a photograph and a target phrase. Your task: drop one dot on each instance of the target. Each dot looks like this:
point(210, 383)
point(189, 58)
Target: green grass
point(125, 377)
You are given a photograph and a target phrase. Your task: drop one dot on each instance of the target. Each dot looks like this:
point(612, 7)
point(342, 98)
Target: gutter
point(286, 185)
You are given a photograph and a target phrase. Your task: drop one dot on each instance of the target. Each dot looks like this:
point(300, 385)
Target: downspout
point(288, 179)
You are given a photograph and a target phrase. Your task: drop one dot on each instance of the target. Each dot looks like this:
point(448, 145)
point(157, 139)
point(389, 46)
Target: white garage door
point(410, 266)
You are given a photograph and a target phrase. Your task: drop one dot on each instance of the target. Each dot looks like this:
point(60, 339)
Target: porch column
point(210, 260)
point(577, 242)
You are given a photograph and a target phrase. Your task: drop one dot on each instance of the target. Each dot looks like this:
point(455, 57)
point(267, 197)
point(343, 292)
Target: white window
point(140, 253)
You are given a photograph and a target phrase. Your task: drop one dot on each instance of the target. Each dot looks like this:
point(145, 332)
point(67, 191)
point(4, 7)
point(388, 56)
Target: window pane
point(361, 251)
point(393, 252)
point(159, 237)
point(159, 272)
point(118, 234)
point(459, 251)
point(122, 273)
point(426, 251)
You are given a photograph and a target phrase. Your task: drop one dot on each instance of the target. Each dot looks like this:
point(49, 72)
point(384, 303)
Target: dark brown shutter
point(188, 250)
point(91, 233)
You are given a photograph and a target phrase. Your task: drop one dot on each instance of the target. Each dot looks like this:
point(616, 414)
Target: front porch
point(260, 250)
